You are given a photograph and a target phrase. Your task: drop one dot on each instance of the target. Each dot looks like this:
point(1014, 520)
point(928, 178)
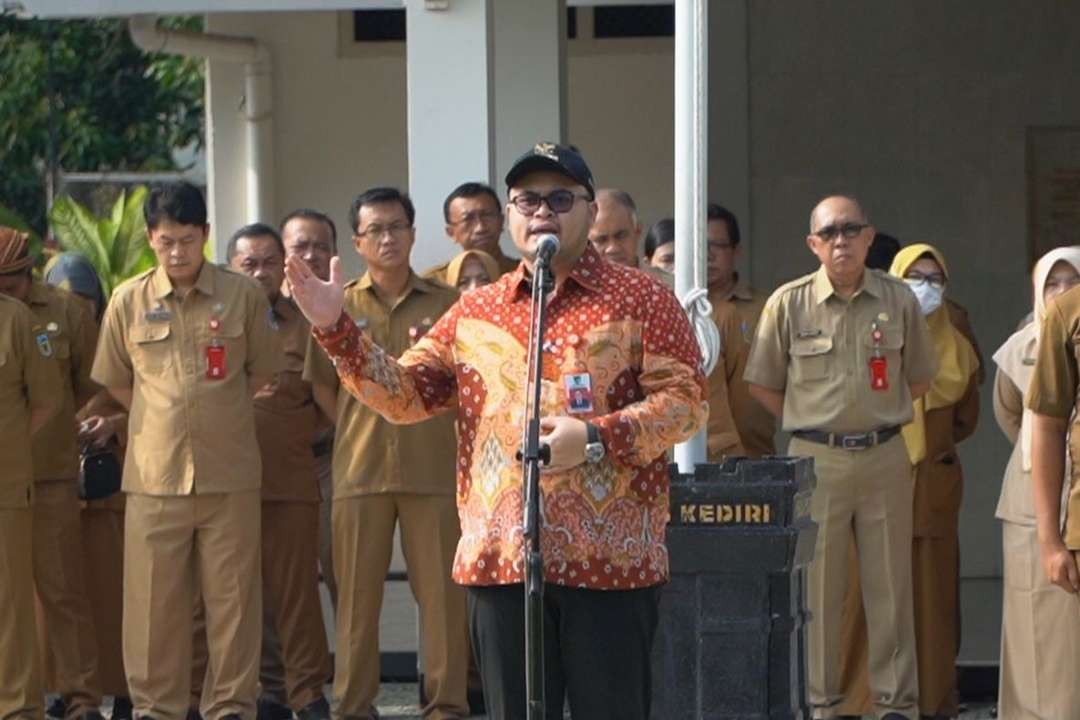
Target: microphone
point(546, 248)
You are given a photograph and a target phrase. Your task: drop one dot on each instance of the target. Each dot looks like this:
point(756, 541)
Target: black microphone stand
point(535, 453)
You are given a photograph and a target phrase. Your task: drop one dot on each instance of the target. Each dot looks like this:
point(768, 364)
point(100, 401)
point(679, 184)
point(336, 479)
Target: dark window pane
point(378, 25)
point(571, 23)
point(626, 21)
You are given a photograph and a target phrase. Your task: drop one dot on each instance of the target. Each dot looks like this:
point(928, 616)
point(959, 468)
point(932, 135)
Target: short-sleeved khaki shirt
point(188, 432)
point(1053, 389)
point(285, 416)
point(506, 264)
point(372, 455)
point(29, 380)
point(70, 334)
point(816, 347)
point(736, 315)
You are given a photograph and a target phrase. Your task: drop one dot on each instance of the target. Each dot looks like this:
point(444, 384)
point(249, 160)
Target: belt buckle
point(855, 442)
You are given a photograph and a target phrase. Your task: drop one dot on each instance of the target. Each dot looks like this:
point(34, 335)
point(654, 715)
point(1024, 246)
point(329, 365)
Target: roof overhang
point(113, 8)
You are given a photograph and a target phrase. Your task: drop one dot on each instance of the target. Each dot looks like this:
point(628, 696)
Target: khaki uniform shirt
point(372, 455)
point(506, 264)
point(29, 380)
point(70, 335)
point(816, 347)
point(187, 432)
point(285, 416)
point(736, 316)
point(1053, 390)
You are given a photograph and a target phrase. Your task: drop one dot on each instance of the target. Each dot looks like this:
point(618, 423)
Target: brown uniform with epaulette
point(1053, 392)
point(29, 382)
point(386, 474)
point(506, 264)
point(845, 368)
point(736, 316)
point(192, 475)
point(285, 426)
point(65, 624)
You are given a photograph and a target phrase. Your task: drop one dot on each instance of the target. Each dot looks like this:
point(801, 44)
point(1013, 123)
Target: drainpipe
point(257, 105)
point(691, 187)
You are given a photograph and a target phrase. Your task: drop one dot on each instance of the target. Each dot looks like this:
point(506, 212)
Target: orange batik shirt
point(603, 524)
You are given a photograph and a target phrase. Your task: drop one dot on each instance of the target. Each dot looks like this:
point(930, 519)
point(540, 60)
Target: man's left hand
point(566, 436)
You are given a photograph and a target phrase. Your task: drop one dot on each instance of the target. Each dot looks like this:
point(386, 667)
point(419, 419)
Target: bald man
point(838, 356)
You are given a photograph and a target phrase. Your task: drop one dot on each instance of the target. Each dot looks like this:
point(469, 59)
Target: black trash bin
point(731, 641)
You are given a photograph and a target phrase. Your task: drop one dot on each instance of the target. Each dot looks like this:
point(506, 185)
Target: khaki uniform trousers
point(1040, 635)
point(65, 625)
point(176, 549)
point(20, 672)
point(324, 472)
point(103, 568)
point(868, 492)
point(363, 543)
point(290, 566)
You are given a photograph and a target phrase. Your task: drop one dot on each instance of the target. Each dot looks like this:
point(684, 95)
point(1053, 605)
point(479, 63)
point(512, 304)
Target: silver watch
point(594, 445)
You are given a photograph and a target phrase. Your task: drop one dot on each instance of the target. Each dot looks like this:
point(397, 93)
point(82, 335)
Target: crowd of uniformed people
point(275, 425)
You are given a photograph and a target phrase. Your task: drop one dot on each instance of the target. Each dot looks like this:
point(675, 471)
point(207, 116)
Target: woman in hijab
point(472, 269)
point(1040, 628)
point(945, 416)
point(102, 422)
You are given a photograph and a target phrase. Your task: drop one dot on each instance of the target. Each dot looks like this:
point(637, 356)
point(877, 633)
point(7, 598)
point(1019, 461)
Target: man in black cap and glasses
point(622, 383)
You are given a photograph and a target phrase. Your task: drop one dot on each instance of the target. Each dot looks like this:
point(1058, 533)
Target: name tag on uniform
point(803, 334)
point(158, 314)
point(579, 397)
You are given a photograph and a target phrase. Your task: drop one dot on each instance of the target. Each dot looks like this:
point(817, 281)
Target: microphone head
point(546, 247)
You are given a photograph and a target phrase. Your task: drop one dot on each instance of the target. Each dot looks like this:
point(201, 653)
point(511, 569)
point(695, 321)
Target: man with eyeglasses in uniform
point(616, 233)
point(838, 357)
point(622, 384)
point(474, 221)
point(388, 475)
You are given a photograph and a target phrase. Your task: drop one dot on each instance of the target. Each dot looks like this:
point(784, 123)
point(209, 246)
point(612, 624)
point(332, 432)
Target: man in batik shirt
point(622, 383)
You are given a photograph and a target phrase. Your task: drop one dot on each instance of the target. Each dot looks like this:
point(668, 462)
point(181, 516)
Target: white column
point(450, 111)
point(485, 83)
point(691, 175)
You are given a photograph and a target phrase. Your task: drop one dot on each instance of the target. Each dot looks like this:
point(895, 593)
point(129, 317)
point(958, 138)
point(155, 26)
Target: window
point(378, 25)
point(634, 21)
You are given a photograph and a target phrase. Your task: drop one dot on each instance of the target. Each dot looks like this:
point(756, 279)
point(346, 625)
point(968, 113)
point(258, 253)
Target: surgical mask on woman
point(928, 295)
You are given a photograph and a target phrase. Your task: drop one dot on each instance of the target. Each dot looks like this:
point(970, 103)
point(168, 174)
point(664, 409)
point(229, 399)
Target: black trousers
point(597, 648)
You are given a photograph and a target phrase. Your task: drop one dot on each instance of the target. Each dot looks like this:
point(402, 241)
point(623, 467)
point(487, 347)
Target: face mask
point(929, 297)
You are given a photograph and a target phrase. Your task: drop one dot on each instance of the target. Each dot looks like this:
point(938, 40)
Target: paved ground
point(398, 701)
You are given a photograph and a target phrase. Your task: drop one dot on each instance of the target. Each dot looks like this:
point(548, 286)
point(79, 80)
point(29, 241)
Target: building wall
point(919, 108)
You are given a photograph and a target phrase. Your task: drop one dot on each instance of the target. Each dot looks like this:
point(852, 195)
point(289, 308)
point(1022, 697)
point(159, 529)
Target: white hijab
point(1016, 357)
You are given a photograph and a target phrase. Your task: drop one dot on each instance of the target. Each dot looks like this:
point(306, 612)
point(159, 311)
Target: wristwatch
point(594, 445)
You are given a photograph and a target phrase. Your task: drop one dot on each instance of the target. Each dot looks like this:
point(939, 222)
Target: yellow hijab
point(453, 270)
point(957, 360)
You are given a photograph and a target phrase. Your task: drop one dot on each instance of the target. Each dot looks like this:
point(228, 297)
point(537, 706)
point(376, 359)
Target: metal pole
point(691, 171)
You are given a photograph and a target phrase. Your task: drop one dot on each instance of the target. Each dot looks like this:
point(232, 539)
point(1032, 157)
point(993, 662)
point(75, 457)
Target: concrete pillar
point(485, 83)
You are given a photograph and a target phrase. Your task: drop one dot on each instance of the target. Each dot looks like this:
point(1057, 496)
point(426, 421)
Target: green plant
point(115, 245)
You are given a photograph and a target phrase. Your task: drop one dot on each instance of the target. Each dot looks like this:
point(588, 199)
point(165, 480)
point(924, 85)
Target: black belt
point(849, 441)
point(323, 447)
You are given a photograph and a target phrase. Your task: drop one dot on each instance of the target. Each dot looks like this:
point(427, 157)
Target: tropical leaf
point(77, 229)
point(130, 251)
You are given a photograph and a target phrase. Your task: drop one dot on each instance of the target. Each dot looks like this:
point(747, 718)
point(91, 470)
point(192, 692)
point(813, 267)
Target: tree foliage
point(114, 106)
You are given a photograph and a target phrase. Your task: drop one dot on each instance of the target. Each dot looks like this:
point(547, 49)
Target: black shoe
point(192, 714)
point(266, 709)
point(318, 710)
point(56, 709)
point(121, 708)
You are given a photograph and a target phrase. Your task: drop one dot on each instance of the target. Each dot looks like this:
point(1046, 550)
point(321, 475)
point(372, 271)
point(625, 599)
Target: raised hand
point(320, 301)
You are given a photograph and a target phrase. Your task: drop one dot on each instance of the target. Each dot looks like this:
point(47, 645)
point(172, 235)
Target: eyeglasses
point(375, 232)
point(917, 279)
point(560, 201)
point(477, 216)
point(849, 230)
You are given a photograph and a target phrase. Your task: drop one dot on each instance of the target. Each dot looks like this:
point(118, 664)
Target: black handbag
point(100, 473)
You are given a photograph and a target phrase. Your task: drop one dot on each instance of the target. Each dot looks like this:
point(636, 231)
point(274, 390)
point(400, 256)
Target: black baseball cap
point(558, 158)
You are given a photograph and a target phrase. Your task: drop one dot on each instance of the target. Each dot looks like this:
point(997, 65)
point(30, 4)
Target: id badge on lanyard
point(215, 351)
point(879, 364)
